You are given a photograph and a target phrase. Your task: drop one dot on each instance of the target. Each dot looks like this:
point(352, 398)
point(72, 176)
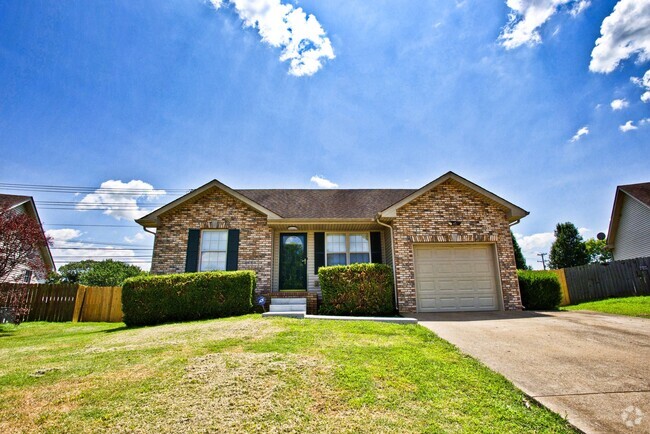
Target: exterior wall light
point(292, 228)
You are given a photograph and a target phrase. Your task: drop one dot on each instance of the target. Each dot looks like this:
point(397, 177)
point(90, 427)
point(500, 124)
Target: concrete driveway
point(592, 368)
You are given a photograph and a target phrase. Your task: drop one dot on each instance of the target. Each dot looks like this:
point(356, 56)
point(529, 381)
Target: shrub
point(357, 289)
point(540, 290)
point(150, 300)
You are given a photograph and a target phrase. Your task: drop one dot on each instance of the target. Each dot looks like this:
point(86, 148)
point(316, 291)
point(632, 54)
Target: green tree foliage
point(519, 256)
point(96, 273)
point(597, 250)
point(568, 249)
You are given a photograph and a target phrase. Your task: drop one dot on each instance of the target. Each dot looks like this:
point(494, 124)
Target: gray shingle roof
point(326, 204)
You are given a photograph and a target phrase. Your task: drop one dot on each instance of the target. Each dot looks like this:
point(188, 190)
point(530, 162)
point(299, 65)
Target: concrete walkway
point(592, 368)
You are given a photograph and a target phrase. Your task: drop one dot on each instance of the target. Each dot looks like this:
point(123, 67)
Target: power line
point(110, 249)
point(93, 225)
point(81, 189)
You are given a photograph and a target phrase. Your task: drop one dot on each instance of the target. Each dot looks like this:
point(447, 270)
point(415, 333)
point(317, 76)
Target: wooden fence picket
point(69, 302)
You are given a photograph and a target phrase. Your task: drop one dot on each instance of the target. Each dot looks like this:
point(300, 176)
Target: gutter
point(392, 249)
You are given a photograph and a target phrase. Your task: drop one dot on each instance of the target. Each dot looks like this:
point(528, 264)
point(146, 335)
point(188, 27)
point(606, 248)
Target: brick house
point(448, 242)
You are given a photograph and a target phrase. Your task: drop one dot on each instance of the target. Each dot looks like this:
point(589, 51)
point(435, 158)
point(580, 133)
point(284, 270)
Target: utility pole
point(542, 261)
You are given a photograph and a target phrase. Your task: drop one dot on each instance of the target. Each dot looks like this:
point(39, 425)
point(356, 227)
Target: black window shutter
point(192, 256)
point(375, 247)
point(232, 257)
point(319, 251)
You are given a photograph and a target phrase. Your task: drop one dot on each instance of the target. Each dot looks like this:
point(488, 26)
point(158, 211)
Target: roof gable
point(639, 192)
point(335, 204)
point(514, 212)
point(151, 219)
point(12, 201)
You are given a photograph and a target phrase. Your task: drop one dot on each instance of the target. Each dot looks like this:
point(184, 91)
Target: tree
point(21, 241)
point(519, 256)
point(96, 273)
point(568, 249)
point(598, 251)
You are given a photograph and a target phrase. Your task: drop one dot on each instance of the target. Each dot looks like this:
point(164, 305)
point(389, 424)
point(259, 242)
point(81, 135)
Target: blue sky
point(177, 93)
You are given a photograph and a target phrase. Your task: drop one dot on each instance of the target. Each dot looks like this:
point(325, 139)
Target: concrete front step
point(298, 300)
point(288, 307)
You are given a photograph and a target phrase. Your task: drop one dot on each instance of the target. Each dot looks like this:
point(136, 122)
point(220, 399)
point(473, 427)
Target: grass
point(249, 374)
point(630, 306)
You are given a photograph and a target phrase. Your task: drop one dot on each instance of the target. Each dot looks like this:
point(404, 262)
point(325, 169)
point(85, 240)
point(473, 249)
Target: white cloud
point(323, 182)
point(62, 235)
point(619, 104)
point(581, 132)
point(643, 82)
point(303, 40)
point(528, 16)
point(579, 7)
point(119, 199)
point(624, 33)
point(645, 121)
point(67, 248)
point(137, 237)
point(628, 126)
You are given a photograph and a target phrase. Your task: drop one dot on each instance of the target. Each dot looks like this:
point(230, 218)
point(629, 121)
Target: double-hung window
point(359, 248)
point(344, 249)
point(214, 246)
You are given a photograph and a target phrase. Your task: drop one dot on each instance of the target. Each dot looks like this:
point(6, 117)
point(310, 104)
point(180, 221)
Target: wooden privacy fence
point(613, 279)
point(65, 302)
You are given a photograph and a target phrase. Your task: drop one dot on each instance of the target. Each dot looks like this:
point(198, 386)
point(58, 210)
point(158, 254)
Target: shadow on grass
point(7, 330)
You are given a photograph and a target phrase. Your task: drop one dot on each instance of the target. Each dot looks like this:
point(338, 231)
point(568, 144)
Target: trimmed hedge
point(148, 300)
point(540, 290)
point(357, 289)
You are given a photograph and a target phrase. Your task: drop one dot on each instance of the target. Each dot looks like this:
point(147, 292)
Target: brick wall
point(214, 210)
point(426, 220)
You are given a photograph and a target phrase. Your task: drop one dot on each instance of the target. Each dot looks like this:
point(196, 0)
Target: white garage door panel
point(455, 278)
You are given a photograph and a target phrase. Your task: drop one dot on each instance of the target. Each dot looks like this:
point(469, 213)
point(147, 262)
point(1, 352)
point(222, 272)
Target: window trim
point(225, 265)
point(347, 246)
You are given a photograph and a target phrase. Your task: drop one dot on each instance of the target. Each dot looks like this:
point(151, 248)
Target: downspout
point(146, 230)
point(392, 249)
point(516, 222)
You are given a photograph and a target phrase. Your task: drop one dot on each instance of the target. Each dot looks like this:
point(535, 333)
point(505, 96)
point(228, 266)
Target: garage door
point(456, 278)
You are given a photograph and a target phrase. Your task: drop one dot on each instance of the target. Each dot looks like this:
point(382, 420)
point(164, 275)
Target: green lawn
point(630, 306)
point(250, 374)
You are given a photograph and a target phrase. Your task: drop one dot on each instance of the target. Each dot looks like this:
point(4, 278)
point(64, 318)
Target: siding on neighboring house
point(633, 232)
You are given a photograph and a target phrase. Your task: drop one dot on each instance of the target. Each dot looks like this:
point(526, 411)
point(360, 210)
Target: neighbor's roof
point(640, 192)
point(337, 204)
point(11, 200)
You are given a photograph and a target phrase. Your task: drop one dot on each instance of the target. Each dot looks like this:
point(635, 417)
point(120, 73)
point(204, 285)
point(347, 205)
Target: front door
point(293, 261)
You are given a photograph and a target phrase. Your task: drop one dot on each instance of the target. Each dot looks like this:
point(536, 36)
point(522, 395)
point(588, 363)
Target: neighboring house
point(26, 205)
point(629, 228)
point(448, 242)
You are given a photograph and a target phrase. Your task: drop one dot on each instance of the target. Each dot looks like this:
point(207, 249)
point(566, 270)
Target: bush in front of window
point(148, 300)
point(357, 289)
point(540, 290)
